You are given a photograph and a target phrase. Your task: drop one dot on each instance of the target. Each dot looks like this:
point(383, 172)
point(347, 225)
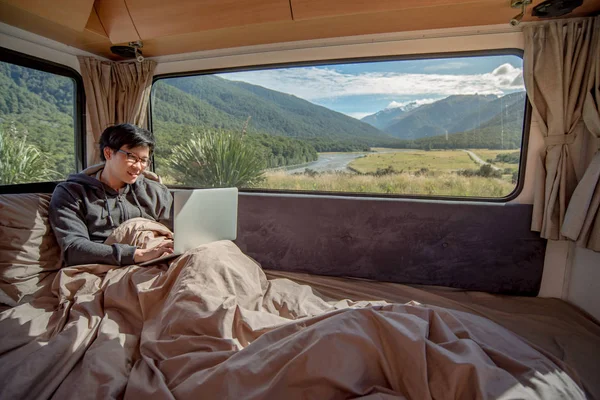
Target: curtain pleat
point(582, 219)
point(115, 93)
point(557, 62)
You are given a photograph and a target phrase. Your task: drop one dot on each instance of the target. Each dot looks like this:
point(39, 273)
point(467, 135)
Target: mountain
point(458, 113)
point(503, 131)
point(384, 118)
point(217, 102)
point(40, 106)
point(170, 104)
point(488, 111)
point(436, 118)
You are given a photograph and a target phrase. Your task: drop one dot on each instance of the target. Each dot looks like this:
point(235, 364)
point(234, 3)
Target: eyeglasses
point(133, 159)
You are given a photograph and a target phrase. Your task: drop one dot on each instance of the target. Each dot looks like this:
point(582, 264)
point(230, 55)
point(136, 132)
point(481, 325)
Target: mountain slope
point(170, 104)
point(504, 131)
point(435, 118)
point(482, 115)
point(270, 111)
point(40, 106)
point(384, 118)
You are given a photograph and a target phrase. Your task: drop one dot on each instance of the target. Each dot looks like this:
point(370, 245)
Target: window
point(39, 120)
point(413, 127)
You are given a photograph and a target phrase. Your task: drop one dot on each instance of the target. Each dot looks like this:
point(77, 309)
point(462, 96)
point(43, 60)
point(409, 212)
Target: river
point(336, 161)
point(328, 162)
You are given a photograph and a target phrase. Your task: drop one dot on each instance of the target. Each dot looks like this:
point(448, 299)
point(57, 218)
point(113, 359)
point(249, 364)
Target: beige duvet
point(212, 326)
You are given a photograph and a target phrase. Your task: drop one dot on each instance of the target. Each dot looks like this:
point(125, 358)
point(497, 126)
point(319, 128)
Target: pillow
point(29, 252)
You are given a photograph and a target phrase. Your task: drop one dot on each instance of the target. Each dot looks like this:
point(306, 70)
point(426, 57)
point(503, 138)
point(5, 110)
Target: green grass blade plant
point(21, 162)
point(217, 159)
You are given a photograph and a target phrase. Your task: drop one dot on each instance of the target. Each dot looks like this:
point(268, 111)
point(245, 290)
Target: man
point(86, 208)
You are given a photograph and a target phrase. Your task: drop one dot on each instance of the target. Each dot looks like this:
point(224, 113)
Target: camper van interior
point(418, 210)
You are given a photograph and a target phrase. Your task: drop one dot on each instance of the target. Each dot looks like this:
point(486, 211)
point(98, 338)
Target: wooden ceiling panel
point(455, 15)
point(308, 9)
point(450, 16)
point(70, 13)
point(157, 18)
point(94, 24)
point(95, 37)
point(115, 19)
point(30, 22)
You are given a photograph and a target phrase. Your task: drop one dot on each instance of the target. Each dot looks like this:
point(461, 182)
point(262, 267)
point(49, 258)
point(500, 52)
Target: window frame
point(32, 62)
point(525, 132)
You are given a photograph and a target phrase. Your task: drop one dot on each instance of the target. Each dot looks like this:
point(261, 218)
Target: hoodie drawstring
point(107, 207)
point(110, 218)
point(137, 202)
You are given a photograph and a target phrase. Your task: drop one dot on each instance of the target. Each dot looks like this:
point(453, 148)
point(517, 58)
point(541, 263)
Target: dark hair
point(117, 136)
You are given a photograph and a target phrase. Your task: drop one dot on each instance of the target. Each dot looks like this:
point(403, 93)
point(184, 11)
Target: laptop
point(201, 216)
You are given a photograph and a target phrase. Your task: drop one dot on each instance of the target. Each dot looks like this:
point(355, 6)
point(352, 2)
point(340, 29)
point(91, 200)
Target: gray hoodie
point(84, 211)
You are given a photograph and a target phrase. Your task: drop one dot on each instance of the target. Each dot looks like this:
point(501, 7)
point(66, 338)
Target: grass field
point(414, 160)
point(444, 184)
point(408, 177)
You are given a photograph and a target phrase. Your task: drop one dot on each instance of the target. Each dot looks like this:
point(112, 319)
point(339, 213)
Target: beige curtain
point(557, 60)
point(582, 220)
point(99, 97)
point(115, 93)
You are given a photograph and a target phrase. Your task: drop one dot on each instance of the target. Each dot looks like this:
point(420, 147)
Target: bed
point(214, 324)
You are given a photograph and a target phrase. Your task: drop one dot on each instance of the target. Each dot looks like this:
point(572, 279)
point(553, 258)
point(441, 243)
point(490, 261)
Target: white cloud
point(412, 104)
point(395, 104)
point(313, 83)
point(508, 76)
point(446, 66)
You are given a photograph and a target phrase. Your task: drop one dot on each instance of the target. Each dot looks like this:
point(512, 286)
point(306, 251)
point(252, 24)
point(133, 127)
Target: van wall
point(569, 273)
point(582, 283)
point(22, 41)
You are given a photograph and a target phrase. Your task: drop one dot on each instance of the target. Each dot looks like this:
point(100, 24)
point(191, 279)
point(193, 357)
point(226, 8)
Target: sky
point(361, 89)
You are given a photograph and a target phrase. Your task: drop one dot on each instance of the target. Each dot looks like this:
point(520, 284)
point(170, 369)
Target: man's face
point(127, 164)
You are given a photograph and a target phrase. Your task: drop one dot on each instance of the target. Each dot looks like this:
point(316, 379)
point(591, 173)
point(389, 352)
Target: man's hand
point(142, 255)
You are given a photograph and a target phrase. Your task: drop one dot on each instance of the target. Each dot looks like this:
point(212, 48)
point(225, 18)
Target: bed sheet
point(551, 325)
point(212, 324)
